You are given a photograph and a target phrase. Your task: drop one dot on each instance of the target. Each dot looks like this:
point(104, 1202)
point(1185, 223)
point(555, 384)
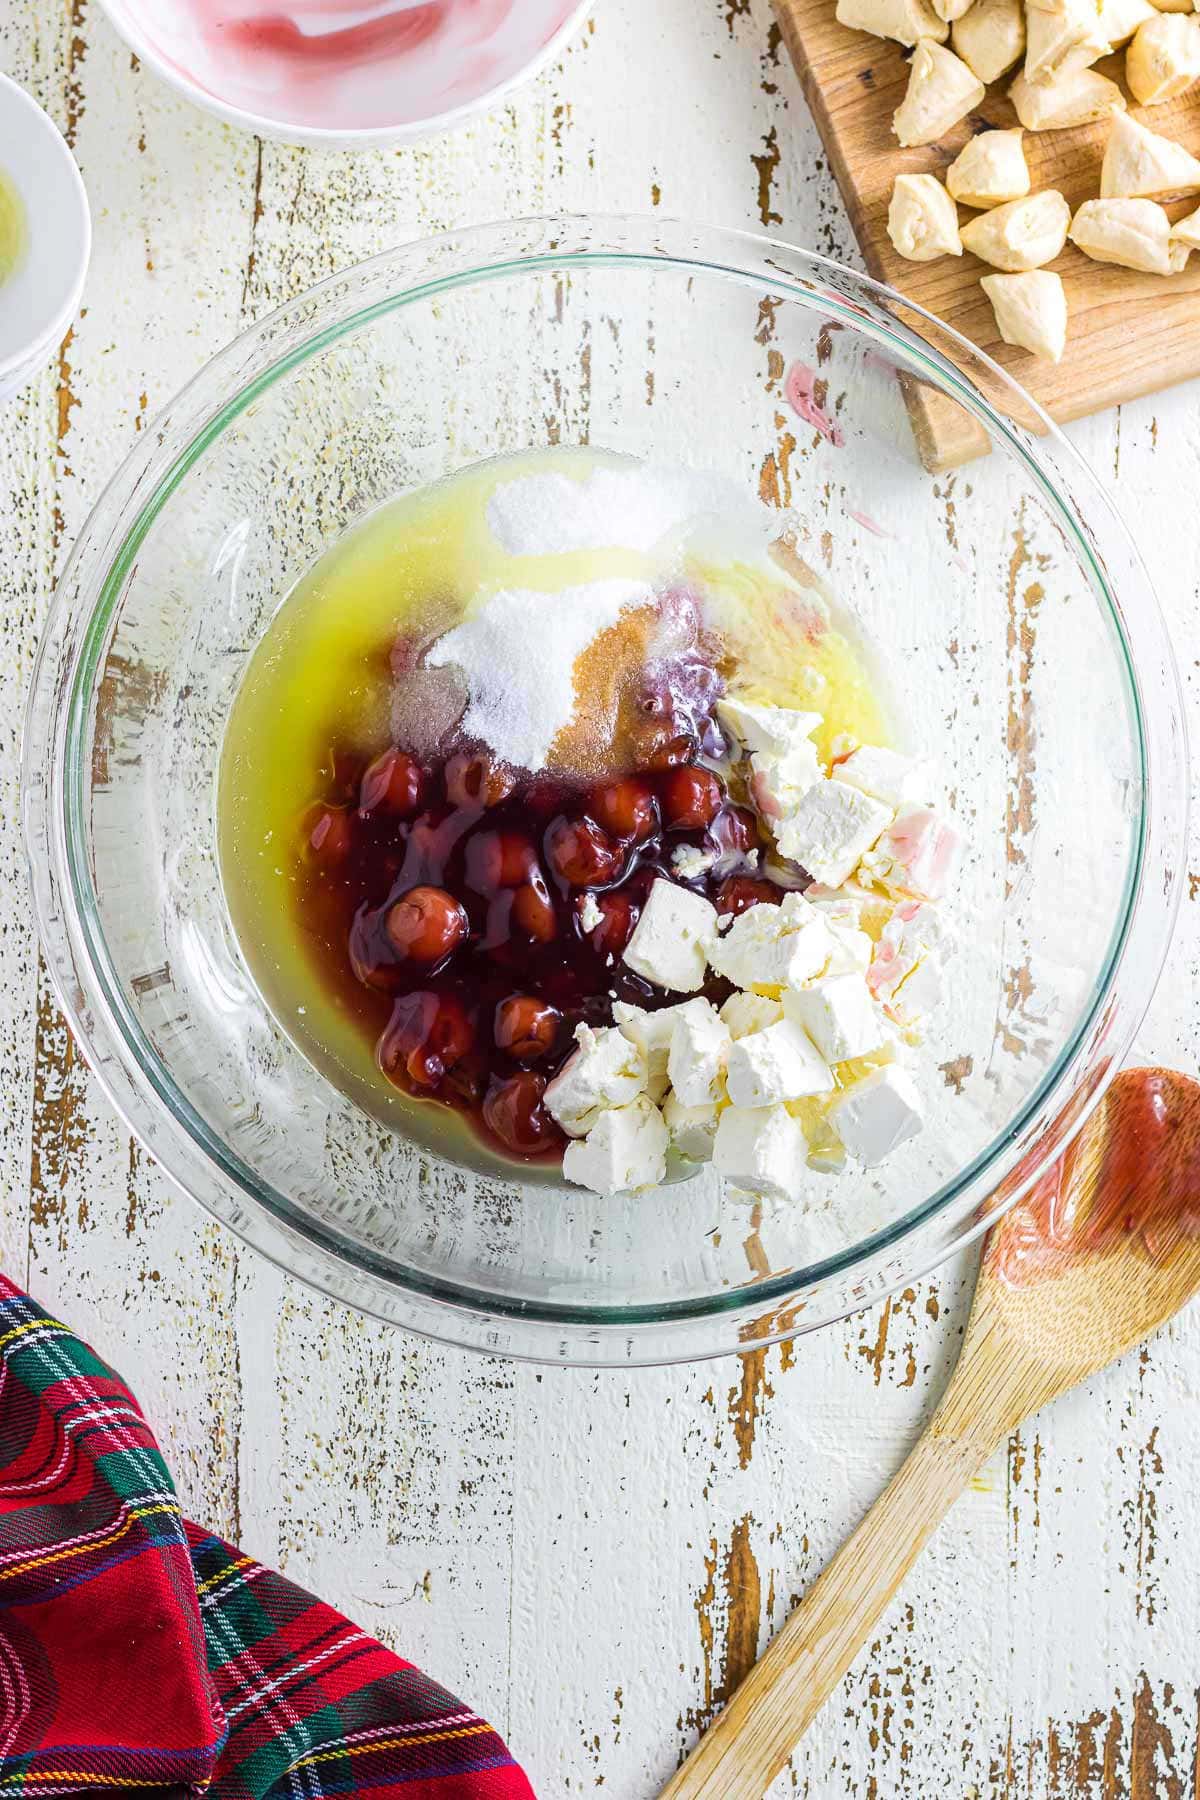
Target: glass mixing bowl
point(1008, 608)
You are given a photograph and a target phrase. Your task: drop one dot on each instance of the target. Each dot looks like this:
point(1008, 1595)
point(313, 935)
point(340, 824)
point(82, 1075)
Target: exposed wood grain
point(543, 1538)
point(1130, 334)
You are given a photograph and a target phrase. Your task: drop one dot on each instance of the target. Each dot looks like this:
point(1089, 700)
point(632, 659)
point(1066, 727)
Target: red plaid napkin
point(139, 1653)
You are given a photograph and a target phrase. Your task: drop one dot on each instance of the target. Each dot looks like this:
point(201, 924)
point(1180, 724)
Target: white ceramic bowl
point(170, 37)
point(40, 298)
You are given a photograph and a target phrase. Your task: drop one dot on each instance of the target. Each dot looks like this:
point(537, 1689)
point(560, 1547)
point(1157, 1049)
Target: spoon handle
point(750, 1742)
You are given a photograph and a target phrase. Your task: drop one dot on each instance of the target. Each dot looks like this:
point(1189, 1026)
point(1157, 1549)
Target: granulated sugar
point(518, 656)
point(639, 507)
point(628, 509)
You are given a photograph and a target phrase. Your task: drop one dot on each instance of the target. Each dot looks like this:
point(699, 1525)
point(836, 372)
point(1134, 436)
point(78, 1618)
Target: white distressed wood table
point(593, 1559)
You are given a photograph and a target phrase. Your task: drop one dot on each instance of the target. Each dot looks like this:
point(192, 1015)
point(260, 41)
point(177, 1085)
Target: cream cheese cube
point(915, 932)
point(671, 940)
point(744, 1013)
point(853, 950)
point(651, 1033)
point(839, 1016)
point(761, 1149)
point(605, 1071)
point(692, 1129)
point(775, 730)
point(832, 828)
point(915, 856)
point(852, 904)
point(769, 947)
point(886, 775)
point(779, 783)
point(626, 1150)
point(878, 1114)
point(776, 1065)
point(700, 1044)
point(918, 994)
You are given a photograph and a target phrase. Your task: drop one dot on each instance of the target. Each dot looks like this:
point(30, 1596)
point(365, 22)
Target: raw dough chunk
point(990, 169)
point(1061, 43)
point(941, 91)
point(1119, 19)
point(1164, 58)
point(907, 21)
point(990, 38)
point(1023, 234)
point(1187, 231)
point(1031, 311)
point(1141, 165)
point(1134, 233)
point(923, 219)
point(1079, 98)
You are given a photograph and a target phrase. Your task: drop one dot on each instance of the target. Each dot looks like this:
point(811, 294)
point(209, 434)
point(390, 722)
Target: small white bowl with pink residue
point(347, 74)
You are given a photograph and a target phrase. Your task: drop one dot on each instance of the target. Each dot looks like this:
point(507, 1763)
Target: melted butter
point(14, 228)
point(321, 675)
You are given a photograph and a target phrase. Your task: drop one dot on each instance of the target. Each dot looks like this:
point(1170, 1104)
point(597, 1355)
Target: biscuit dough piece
point(990, 169)
point(990, 37)
point(1163, 60)
point(1139, 164)
point(1136, 234)
point(941, 91)
point(1080, 98)
point(1023, 234)
point(923, 219)
point(1031, 311)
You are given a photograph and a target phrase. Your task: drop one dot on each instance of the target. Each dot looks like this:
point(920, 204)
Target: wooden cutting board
point(1129, 334)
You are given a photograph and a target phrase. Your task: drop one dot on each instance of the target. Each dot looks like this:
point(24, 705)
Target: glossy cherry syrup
point(443, 902)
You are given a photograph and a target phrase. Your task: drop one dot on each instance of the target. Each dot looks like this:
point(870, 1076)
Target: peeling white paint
point(575, 1552)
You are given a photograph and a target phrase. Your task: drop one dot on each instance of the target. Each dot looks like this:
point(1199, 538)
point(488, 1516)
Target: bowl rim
point(75, 952)
point(327, 137)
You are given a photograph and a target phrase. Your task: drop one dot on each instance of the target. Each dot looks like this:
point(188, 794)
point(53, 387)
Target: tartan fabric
point(140, 1654)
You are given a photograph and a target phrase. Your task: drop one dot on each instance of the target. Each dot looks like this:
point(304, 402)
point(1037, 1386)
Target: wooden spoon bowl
point(1101, 1251)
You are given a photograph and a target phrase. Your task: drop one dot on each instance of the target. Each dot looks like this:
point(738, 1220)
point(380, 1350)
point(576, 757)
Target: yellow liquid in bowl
point(323, 676)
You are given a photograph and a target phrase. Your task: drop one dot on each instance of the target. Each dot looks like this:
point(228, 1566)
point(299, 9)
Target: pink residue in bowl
point(351, 65)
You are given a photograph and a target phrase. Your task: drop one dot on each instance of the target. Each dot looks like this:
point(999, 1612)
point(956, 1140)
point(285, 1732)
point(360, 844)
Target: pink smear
point(925, 849)
point(799, 387)
point(868, 523)
point(351, 64)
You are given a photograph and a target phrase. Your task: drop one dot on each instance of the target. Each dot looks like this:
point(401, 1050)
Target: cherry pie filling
point(469, 917)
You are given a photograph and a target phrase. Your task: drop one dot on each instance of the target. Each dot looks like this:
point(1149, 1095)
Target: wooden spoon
point(1104, 1248)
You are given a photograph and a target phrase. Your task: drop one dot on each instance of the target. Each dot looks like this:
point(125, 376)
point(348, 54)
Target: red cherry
point(691, 798)
point(428, 1034)
point(615, 929)
point(476, 781)
point(739, 892)
point(330, 835)
point(526, 1027)
point(734, 828)
point(672, 754)
point(499, 859)
point(626, 809)
point(394, 784)
point(513, 1110)
point(426, 924)
point(533, 911)
point(580, 853)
